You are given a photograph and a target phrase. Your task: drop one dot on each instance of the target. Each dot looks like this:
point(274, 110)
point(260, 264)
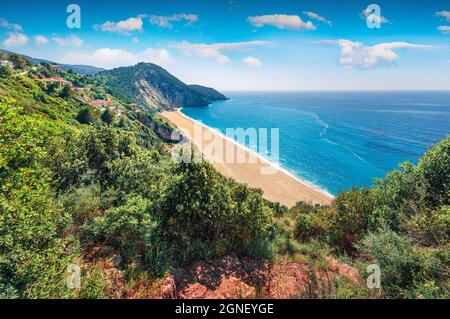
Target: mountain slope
point(78, 68)
point(152, 86)
point(210, 93)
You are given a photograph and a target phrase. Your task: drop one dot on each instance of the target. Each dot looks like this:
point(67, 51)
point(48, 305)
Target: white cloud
point(366, 13)
point(445, 14)
point(111, 58)
point(124, 27)
point(12, 26)
point(444, 28)
point(281, 21)
point(252, 62)
point(166, 21)
point(40, 39)
point(214, 51)
point(357, 55)
point(317, 17)
point(15, 39)
point(69, 41)
point(135, 40)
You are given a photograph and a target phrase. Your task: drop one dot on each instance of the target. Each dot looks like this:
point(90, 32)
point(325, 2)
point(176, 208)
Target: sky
point(253, 45)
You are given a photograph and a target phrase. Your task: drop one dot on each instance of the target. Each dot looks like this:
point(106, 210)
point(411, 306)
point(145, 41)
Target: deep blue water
point(336, 140)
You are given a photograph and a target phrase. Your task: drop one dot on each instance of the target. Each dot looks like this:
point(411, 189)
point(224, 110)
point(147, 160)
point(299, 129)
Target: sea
point(334, 140)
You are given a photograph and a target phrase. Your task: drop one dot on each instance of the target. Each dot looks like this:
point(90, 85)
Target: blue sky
point(246, 44)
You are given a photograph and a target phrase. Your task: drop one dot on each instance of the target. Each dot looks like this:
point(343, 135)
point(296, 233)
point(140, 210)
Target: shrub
point(307, 227)
point(107, 116)
point(32, 254)
point(432, 227)
point(349, 218)
point(128, 228)
point(204, 215)
point(86, 116)
point(52, 87)
point(434, 167)
point(93, 285)
point(397, 197)
point(5, 71)
point(66, 92)
point(82, 203)
point(403, 266)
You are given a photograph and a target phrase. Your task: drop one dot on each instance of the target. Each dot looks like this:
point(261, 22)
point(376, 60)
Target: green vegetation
point(86, 115)
point(71, 184)
point(108, 116)
point(19, 61)
point(151, 86)
point(78, 186)
point(402, 223)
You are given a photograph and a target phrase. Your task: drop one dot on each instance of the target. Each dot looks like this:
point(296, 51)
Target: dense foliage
point(74, 180)
point(402, 223)
point(79, 184)
point(150, 85)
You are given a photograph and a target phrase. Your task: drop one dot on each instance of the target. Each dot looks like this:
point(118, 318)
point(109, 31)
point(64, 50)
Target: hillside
point(94, 186)
point(152, 86)
point(80, 69)
point(210, 93)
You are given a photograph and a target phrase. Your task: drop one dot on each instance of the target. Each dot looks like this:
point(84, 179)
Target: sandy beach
point(278, 186)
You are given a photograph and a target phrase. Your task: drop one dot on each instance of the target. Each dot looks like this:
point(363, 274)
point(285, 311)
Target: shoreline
point(282, 186)
point(259, 156)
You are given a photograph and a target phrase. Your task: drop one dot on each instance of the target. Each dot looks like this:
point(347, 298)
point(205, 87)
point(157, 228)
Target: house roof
point(98, 102)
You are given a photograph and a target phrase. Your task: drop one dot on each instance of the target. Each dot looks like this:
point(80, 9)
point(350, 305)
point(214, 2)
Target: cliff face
point(152, 86)
point(210, 93)
point(164, 131)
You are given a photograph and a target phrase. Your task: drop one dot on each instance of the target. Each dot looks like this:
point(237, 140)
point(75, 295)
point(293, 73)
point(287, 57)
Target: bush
point(403, 266)
point(86, 116)
point(66, 92)
point(40, 97)
point(349, 218)
point(52, 87)
point(432, 227)
point(204, 215)
point(93, 285)
point(434, 167)
point(82, 203)
point(397, 197)
point(5, 71)
point(32, 254)
point(107, 116)
point(128, 228)
point(307, 227)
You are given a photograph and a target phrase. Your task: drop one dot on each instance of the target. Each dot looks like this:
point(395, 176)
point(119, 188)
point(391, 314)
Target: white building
point(7, 63)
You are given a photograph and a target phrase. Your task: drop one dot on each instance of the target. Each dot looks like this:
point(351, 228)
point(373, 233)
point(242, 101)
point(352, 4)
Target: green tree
point(128, 228)
point(405, 270)
point(108, 116)
point(5, 71)
point(66, 91)
point(19, 61)
point(52, 87)
point(349, 217)
point(86, 116)
point(204, 215)
point(434, 167)
point(32, 255)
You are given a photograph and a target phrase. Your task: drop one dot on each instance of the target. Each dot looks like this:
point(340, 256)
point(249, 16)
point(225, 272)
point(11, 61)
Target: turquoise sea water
point(336, 140)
